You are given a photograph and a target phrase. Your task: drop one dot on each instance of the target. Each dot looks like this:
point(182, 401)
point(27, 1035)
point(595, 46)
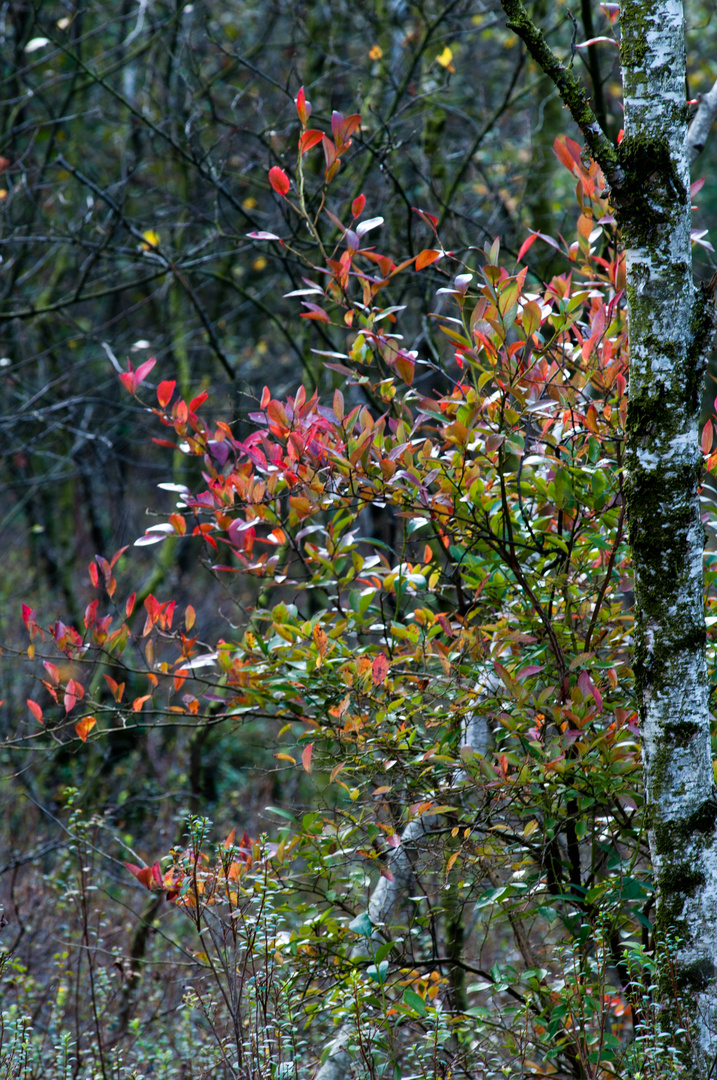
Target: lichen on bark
point(671, 325)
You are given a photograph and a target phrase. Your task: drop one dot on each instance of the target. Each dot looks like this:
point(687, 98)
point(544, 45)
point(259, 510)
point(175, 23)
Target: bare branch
point(701, 125)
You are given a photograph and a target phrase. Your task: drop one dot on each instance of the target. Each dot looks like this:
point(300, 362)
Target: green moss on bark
point(651, 184)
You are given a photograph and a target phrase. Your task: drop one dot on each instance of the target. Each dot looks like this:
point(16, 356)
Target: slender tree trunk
point(670, 328)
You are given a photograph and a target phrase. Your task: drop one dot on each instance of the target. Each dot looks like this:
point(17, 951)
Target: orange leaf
point(84, 727)
point(306, 757)
point(426, 257)
point(189, 617)
point(309, 139)
point(321, 640)
point(379, 669)
point(139, 702)
point(35, 710)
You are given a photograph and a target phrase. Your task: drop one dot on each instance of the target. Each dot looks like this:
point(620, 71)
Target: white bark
point(669, 328)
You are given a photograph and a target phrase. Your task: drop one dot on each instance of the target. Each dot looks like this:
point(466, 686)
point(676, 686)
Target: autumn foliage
point(440, 632)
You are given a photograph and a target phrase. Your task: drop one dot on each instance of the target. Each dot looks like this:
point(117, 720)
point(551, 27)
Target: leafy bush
point(435, 647)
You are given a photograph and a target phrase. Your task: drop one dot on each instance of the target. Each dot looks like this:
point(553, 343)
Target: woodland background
point(136, 139)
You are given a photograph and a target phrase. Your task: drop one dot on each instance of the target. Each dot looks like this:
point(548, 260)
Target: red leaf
point(337, 120)
point(74, 692)
point(198, 401)
point(707, 438)
point(430, 219)
point(265, 397)
point(329, 152)
point(526, 245)
point(357, 206)
point(314, 312)
point(279, 180)
point(143, 874)
point(308, 139)
point(143, 371)
point(91, 614)
point(405, 367)
point(303, 107)
point(379, 669)
point(94, 576)
point(587, 686)
point(306, 757)
point(52, 671)
point(165, 391)
point(117, 555)
point(129, 606)
point(35, 710)
point(427, 257)
point(349, 125)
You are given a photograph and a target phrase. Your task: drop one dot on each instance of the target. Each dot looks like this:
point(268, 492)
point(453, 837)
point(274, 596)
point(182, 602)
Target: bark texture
point(670, 327)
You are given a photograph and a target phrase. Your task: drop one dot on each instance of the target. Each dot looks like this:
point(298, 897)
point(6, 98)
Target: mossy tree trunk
point(671, 325)
point(670, 329)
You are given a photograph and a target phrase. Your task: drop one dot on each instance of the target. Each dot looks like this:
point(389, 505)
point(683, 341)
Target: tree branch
point(570, 88)
point(701, 124)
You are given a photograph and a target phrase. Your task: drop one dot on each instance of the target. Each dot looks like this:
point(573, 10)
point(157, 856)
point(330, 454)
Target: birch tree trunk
point(671, 326)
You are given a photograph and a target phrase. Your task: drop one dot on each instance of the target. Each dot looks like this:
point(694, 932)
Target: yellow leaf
point(445, 59)
point(286, 757)
point(152, 238)
point(375, 52)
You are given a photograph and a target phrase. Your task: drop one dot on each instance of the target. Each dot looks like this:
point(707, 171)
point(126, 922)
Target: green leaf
point(563, 488)
point(415, 1002)
point(362, 925)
